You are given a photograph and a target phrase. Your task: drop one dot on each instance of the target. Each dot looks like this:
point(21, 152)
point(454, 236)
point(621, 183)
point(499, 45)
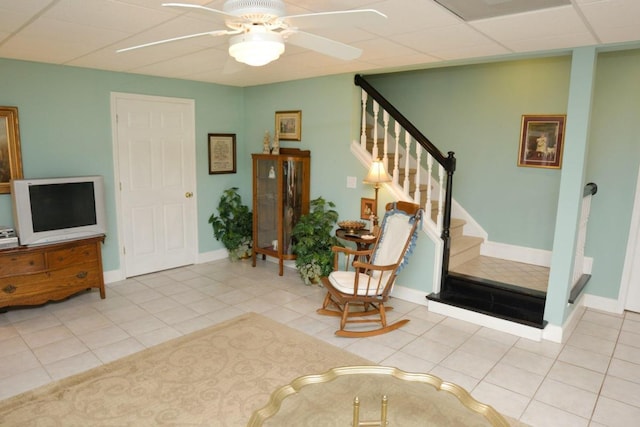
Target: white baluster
point(407, 151)
point(427, 206)
point(363, 130)
point(416, 193)
point(440, 198)
point(376, 109)
point(385, 151)
point(396, 155)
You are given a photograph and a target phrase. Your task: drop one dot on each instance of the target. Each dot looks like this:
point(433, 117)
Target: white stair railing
point(414, 157)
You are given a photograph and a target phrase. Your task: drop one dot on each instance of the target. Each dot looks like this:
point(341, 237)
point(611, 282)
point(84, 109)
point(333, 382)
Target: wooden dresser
point(32, 275)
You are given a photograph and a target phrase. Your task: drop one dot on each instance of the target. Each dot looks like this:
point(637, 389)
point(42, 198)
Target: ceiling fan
point(260, 28)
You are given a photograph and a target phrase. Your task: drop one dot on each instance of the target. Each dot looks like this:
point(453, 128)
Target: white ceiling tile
point(86, 33)
point(562, 23)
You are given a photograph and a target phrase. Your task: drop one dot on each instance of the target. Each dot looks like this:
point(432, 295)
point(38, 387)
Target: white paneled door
point(155, 170)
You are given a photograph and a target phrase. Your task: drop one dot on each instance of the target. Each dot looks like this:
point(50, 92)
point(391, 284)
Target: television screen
point(48, 210)
point(57, 206)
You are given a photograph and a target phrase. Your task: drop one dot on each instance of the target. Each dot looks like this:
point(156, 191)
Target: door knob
point(188, 194)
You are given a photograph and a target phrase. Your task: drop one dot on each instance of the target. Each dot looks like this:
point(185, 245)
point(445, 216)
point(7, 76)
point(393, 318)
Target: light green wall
point(65, 129)
point(614, 155)
point(327, 130)
point(476, 111)
point(473, 110)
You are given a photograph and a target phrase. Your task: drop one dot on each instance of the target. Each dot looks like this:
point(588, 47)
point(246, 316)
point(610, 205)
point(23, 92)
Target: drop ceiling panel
point(614, 20)
point(86, 33)
point(50, 40)
point(538, 30)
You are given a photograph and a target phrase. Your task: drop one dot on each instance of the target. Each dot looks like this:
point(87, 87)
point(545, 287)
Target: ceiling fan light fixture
point(257, 47)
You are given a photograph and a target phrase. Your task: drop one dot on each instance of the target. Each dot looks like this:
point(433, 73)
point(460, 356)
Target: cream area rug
point(214, 377)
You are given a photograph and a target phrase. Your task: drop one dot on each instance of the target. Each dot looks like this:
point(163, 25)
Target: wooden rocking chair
point(360, 288)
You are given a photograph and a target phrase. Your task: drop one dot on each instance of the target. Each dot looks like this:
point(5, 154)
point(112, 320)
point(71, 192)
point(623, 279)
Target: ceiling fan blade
point(197, 6)
point(173, 39)
point(322, 45)
point(360, 18)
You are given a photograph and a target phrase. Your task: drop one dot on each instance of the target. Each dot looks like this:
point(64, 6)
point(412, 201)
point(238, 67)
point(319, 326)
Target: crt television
point(48, 210)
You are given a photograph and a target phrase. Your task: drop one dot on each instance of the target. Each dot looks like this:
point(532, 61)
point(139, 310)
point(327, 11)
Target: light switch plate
point(351, 182)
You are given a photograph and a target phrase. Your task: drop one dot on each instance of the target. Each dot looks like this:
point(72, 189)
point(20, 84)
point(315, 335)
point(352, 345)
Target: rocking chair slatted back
point(366, 278)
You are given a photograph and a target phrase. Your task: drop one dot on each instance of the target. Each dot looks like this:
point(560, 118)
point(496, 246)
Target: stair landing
point(499, 270)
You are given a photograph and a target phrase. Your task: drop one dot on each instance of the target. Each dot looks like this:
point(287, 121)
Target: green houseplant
point(313, 240)
point(233, 225)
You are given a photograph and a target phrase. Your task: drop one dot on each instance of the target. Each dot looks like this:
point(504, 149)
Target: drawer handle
point(82, 275)
point(9, 289)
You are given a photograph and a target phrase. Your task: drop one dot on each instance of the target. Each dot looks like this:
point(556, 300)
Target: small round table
point(355, 236)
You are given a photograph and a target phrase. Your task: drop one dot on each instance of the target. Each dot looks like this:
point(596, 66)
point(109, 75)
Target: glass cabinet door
point(267, 203)
point(292, 197)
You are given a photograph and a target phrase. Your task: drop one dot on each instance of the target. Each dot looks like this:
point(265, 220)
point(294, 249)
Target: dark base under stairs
point(501, 300)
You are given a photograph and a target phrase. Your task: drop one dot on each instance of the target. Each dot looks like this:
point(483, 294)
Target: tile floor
point(591, 380)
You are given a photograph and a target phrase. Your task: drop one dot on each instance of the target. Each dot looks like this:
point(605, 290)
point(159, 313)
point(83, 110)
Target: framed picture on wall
point(10, 155)
point(541, 141)
point(367, 208)
point(222, 153)
point(289, 125)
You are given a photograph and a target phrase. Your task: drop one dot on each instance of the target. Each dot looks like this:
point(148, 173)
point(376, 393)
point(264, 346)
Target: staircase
point(427, 181)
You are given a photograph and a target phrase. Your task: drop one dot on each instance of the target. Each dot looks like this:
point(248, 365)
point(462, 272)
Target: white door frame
point(633, 245)
point(116, 169)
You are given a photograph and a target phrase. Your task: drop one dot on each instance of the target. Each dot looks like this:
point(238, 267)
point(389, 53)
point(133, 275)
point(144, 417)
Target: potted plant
point(313, 239)
point(234, 225)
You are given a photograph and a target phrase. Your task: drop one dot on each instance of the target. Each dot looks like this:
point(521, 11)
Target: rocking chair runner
point(362, 286)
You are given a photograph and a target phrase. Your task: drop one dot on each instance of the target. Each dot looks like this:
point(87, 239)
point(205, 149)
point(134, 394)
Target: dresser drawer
point(51, 286)
point(21, 263)
point(71, 255)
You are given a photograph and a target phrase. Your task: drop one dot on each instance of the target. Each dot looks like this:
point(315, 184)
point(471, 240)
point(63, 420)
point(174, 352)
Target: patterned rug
point(214, 377)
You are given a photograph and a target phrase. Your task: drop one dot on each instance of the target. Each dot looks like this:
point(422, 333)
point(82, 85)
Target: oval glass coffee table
point(412, 399)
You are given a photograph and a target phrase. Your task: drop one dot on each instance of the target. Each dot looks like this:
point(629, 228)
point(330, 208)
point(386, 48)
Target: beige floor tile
point(117, 350)
point(46, 336)
point(576, 376)
point(468, 364)
point(72, 365)
point(566, 397)
point(505, 401)
point(621, 390)
point(499, 369)
point(16, 363)
point(542, 415)
point(59, 350)
point(514, 379)
point(23, 381)
point(613, 413)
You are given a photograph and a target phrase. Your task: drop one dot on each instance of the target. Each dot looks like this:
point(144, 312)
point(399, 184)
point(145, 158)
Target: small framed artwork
point(541, 141)
point(289, 125)
point(367, 208)
point(222, 153)
point(10, 155)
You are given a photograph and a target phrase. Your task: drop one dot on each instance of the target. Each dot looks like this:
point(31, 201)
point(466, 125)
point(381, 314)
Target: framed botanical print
point(222, 153)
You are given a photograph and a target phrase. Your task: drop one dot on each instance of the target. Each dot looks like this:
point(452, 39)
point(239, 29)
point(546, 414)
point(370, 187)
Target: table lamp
point(376, 176)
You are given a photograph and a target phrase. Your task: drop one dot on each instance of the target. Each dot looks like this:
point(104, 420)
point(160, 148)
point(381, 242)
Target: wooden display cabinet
point(33, 275)
point(280, 198)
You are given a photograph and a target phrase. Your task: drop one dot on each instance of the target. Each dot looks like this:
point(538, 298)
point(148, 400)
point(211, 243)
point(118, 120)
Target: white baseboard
point(491, 322)
point(411, 295)
point(516, 253)
point(526, 255)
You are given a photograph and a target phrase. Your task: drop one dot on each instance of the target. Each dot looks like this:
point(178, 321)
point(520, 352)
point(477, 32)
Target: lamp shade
point(256, 47)
point(377, 173)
